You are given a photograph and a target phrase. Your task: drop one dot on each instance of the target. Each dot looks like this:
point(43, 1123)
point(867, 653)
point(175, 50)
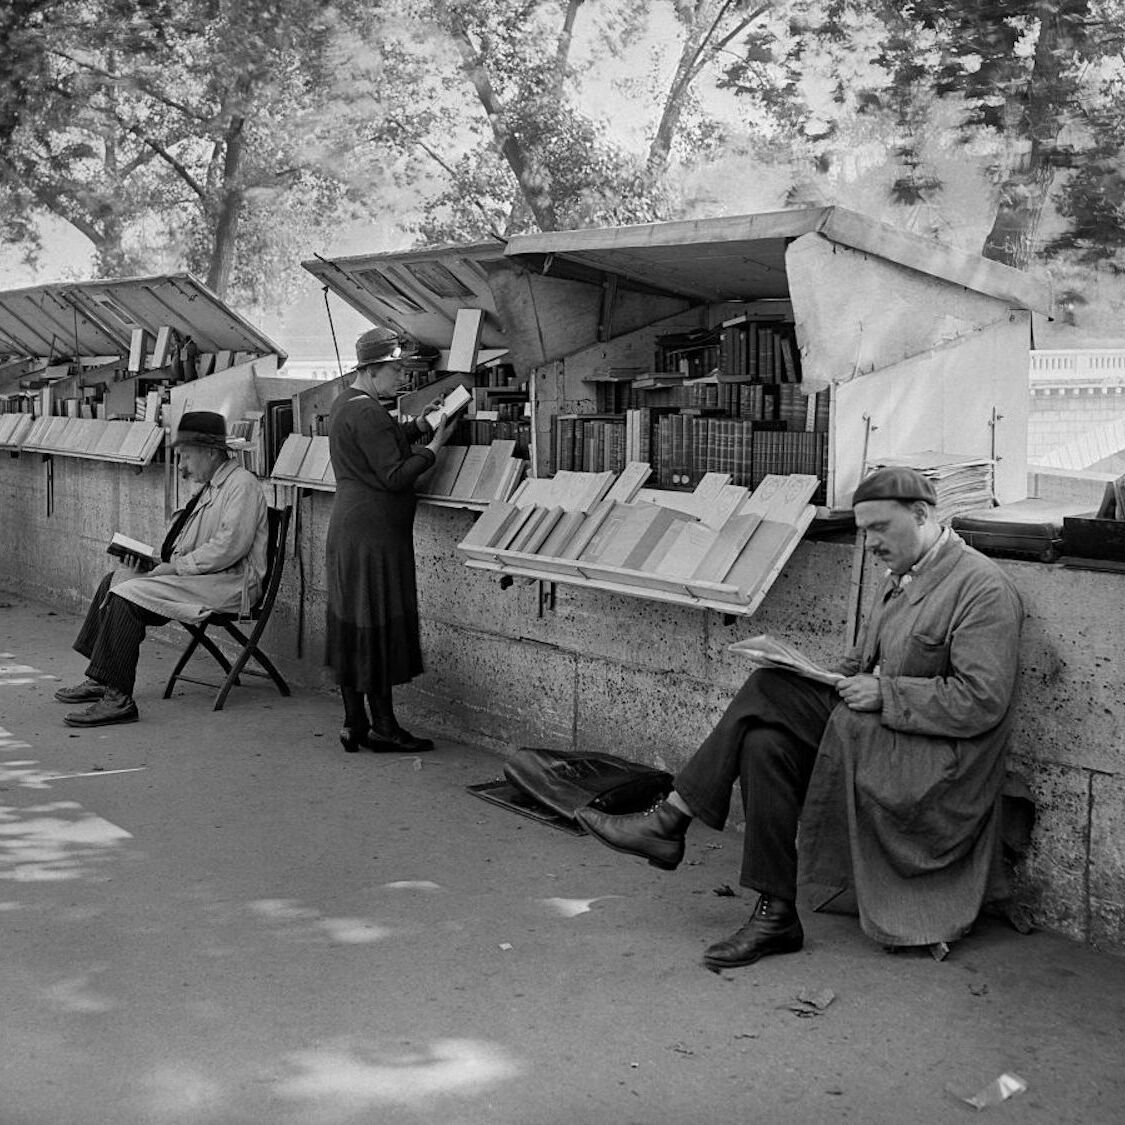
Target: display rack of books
point(718, 547)
point(726, 399)
point(464, 476)
point(129, 443)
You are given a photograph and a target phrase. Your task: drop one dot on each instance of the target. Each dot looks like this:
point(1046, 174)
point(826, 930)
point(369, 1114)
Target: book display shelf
point(718, 547)
point(127, 443)
point(470, 476)
point(91, 370)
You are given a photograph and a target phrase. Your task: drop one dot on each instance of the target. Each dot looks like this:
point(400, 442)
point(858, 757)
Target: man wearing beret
point(894, 771)
point(212, 561)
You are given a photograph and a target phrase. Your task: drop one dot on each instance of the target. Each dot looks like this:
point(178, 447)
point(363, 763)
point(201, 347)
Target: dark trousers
point(111, 636)
point(767, 740)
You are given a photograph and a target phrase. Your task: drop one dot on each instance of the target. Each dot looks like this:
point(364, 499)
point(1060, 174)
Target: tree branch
point(529, 175)
point(692, 61)
point(136, 84)
point(448, 168)
point(177, 165)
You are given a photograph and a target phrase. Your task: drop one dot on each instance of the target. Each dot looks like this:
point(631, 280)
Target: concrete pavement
point(222, 919)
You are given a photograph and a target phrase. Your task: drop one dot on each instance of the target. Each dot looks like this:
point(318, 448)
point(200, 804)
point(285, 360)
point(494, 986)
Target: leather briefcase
point(565, 781)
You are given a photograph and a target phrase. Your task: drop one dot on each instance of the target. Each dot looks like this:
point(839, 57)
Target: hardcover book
point(132, 551)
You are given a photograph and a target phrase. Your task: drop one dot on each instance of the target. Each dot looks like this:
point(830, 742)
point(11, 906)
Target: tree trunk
point(532, 177)
point(231, 201)
point(1042, 102)
point(701, 43)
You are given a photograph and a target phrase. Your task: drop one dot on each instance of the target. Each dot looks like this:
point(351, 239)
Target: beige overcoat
point(904, 805)
point(219, 554)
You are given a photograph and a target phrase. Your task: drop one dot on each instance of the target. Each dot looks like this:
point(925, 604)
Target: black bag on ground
point(565, 781)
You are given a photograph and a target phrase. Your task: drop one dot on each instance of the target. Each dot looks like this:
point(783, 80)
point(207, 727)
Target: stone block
point(1052, 877)
point(1070, 710)
point(646, 716)
point(619, 629)
point(492, 691)
point(1107, 861)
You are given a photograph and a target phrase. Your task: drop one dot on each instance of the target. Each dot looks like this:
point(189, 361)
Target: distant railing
point(1087, 366)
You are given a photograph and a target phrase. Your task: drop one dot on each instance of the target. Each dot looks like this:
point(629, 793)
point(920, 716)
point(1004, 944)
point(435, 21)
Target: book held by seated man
point(768, 652)
point(132, 551)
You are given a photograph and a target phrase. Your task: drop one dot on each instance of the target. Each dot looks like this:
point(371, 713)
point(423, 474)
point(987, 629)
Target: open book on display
point(769, 652)
point(456, 400)
point(132, 551)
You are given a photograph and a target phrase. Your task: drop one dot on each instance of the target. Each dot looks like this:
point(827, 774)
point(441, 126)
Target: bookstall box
point(101, 370)
point(810, 344)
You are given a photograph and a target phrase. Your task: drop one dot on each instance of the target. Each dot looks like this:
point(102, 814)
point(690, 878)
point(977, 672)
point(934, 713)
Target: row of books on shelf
point(93, 438)
point(682, 448)
point(721, 543)
point(481, 431)
point(741, 348)
point(784, 402)
point(686, 448)
point(473, 473)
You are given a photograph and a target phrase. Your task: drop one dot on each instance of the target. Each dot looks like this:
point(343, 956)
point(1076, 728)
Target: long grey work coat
point(219, 555)
point(904, 804)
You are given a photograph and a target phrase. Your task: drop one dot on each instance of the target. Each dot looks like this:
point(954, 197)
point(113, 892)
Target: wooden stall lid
point(742, 257)
point(99, 318)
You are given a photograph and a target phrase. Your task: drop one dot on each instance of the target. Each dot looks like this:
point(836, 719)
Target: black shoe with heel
point(392, 738)
point(352, 740)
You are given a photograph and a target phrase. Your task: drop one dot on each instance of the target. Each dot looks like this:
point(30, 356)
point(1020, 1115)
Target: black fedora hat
point(201, 427)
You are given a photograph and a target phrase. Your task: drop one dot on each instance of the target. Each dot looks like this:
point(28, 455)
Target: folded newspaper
point(769, 652)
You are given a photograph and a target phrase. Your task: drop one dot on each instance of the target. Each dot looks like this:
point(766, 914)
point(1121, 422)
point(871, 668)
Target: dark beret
point(897, 483)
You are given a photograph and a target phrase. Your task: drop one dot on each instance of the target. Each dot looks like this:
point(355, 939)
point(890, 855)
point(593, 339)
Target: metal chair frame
point(279, 519)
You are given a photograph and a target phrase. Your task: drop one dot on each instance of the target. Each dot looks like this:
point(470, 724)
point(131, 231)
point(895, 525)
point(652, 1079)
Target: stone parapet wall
point(606, 672)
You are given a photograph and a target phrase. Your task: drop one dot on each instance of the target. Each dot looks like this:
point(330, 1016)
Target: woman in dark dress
point(372, 639)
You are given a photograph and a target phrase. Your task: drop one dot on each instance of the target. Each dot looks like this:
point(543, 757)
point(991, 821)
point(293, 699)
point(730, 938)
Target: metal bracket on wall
point(49, 461)
point(546, 597)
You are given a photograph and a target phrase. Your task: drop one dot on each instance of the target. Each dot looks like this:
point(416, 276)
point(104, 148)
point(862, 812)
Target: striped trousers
point(111, 637)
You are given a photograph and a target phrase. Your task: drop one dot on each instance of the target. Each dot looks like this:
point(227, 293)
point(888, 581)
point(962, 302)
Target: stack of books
point(963, 483)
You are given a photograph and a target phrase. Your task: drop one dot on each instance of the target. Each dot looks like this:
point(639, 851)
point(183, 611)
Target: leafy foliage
point(163, 129)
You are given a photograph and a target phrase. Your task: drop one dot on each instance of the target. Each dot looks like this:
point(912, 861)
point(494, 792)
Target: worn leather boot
point(86, 692)
point(656, 835)
point(114, 707)
point(773, 928)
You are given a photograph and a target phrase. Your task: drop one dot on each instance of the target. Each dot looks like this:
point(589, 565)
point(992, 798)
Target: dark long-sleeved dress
point(372, 639)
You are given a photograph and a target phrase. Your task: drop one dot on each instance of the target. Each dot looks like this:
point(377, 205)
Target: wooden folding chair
point(259, 614)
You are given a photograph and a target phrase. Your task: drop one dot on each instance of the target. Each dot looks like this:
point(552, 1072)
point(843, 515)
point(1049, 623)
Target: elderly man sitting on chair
point(213, 561)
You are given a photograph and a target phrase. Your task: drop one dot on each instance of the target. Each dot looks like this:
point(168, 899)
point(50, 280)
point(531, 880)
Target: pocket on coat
point(925, 656)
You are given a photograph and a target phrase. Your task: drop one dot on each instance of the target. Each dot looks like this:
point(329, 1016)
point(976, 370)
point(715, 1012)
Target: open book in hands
point(454, 401)
point(768, 652)
point(132, 551)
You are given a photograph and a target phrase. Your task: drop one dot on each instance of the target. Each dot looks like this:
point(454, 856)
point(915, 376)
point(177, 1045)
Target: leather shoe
point(113, 707)
point(352, 740)
point(773, 928)
point(86, 692)
point(394, 740)
point(656, 835)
